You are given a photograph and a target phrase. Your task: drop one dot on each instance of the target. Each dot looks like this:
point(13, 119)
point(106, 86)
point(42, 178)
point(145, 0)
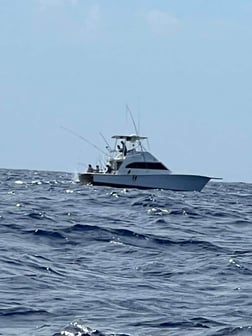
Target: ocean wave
point(79, 329)
point(128, 262)
point(233, 331)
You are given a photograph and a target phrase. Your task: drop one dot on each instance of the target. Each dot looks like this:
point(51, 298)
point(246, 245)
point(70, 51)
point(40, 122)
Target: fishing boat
point(130, 165)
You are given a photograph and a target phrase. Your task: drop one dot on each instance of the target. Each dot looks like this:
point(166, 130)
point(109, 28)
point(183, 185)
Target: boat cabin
point(131, 157)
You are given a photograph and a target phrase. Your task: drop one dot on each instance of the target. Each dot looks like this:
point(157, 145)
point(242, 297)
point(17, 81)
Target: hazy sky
point(184, 67)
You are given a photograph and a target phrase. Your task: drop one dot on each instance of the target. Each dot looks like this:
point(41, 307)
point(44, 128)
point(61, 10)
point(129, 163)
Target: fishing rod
point(83, 138)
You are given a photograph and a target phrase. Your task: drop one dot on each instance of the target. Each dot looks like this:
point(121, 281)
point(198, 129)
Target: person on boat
point(90, 169)
point(124, 148)
point(109, 169)
point(97, 169)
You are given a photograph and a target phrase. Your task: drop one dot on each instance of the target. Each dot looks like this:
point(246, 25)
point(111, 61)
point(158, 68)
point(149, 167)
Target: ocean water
point(82, 260)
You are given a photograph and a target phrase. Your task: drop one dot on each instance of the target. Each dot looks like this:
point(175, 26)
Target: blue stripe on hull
point(129, 186)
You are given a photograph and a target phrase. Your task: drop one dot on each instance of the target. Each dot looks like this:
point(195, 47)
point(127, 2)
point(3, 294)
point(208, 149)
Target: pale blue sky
point(183, 66)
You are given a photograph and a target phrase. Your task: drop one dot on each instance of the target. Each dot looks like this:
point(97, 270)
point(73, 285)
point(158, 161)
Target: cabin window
point(147, 165)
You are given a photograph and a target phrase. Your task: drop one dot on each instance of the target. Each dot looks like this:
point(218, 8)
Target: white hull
point(174, 182)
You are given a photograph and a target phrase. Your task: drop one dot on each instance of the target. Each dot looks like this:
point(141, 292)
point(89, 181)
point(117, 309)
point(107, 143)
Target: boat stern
point(86, 178)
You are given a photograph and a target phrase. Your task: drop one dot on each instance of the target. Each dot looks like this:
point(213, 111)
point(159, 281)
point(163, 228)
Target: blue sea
point(80, 260)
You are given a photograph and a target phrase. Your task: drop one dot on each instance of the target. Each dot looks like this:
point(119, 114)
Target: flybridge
point(131, 138)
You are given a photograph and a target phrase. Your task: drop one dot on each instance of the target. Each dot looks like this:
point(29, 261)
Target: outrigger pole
point(84, 139)
point(132, 119)
point(136, 130)
point(106, 142)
